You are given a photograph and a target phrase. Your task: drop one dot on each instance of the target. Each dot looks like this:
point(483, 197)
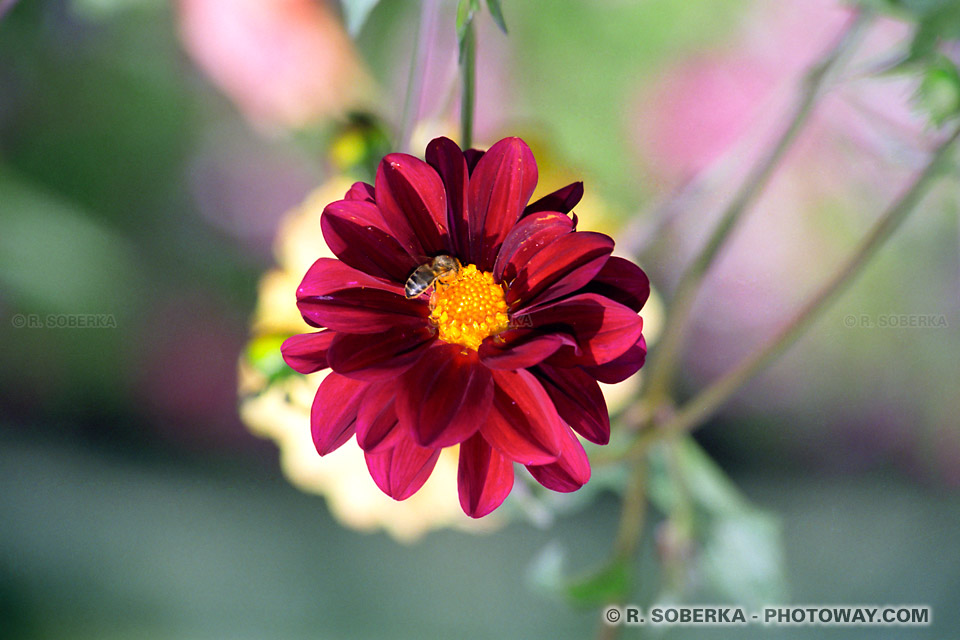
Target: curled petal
point(527, 238)
point(401, 470)
point(446, 396)
point(578, 400)
point(521, 348)
point(361, 191)
point(500, 188)
point(356, 233)
point(523, 423)
point(307, 352)
point(623, 282)
point(603, 329)
point(333, 416)
point(384, 355)
point(377, 423)
point(622, 367)
point(560, 268)
point(570, 472)
point(411, 199)
point(339, 297)
point(562, 200)
point(484, 477)
point(447, 159)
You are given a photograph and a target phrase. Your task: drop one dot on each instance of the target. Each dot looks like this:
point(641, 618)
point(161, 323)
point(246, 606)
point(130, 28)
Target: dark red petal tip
point(623, 282)
point(307, 352)
point(357, 234)
point(570, 472)
point(578, 400)
point(412, 200)
point(562, 200)
point(562, 267)
point(500, 188)
point(377, 422)
point(603, 329)
point(526, 239)
point(401, 470)
point(484, 477)
point(448, 161)
point(333, 416)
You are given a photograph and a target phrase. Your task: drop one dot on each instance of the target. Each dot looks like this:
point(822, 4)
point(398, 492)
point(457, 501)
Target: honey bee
point(442, 269)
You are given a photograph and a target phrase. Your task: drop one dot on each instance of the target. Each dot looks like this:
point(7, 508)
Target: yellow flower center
point(470, 309)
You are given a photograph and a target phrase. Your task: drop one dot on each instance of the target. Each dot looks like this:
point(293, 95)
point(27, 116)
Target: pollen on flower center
point(470, 309)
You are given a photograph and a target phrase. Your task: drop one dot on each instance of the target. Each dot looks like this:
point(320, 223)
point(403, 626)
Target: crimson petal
point(356, 233)
point(377, 422)
point(623, 282)
point(484, 477)
point(562, 200)
point(361, 191)
point(472, 156)
point(560, 268)
point(411, 199)
point(447, 159)
point(446, 396)
point(339, 297)
point(401, 470)
point(570, 472)
point(385, 355)
point(333, 415)
point(578, 400)
point(521, 348)
point(523, 423)
point(528, 237)
point(602, 328)
point(307, 352)
point(500, 188)
point(622, 367)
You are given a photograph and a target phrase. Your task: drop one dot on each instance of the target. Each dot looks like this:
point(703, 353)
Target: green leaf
point(465, 10)
point(742, 559)
point(355, 14)
point(611, 583)
point(939, 92)
point(497, 14)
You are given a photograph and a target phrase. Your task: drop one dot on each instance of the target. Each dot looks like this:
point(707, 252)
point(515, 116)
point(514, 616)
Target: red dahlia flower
point(504, 354)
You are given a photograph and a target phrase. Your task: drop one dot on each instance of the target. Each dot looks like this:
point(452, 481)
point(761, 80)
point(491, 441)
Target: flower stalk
point(468, 63)
point(664, 360)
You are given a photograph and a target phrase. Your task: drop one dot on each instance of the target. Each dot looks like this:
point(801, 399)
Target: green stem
point(468, 65)
point(714, 396)
point(629, 531)
point(666, 357)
